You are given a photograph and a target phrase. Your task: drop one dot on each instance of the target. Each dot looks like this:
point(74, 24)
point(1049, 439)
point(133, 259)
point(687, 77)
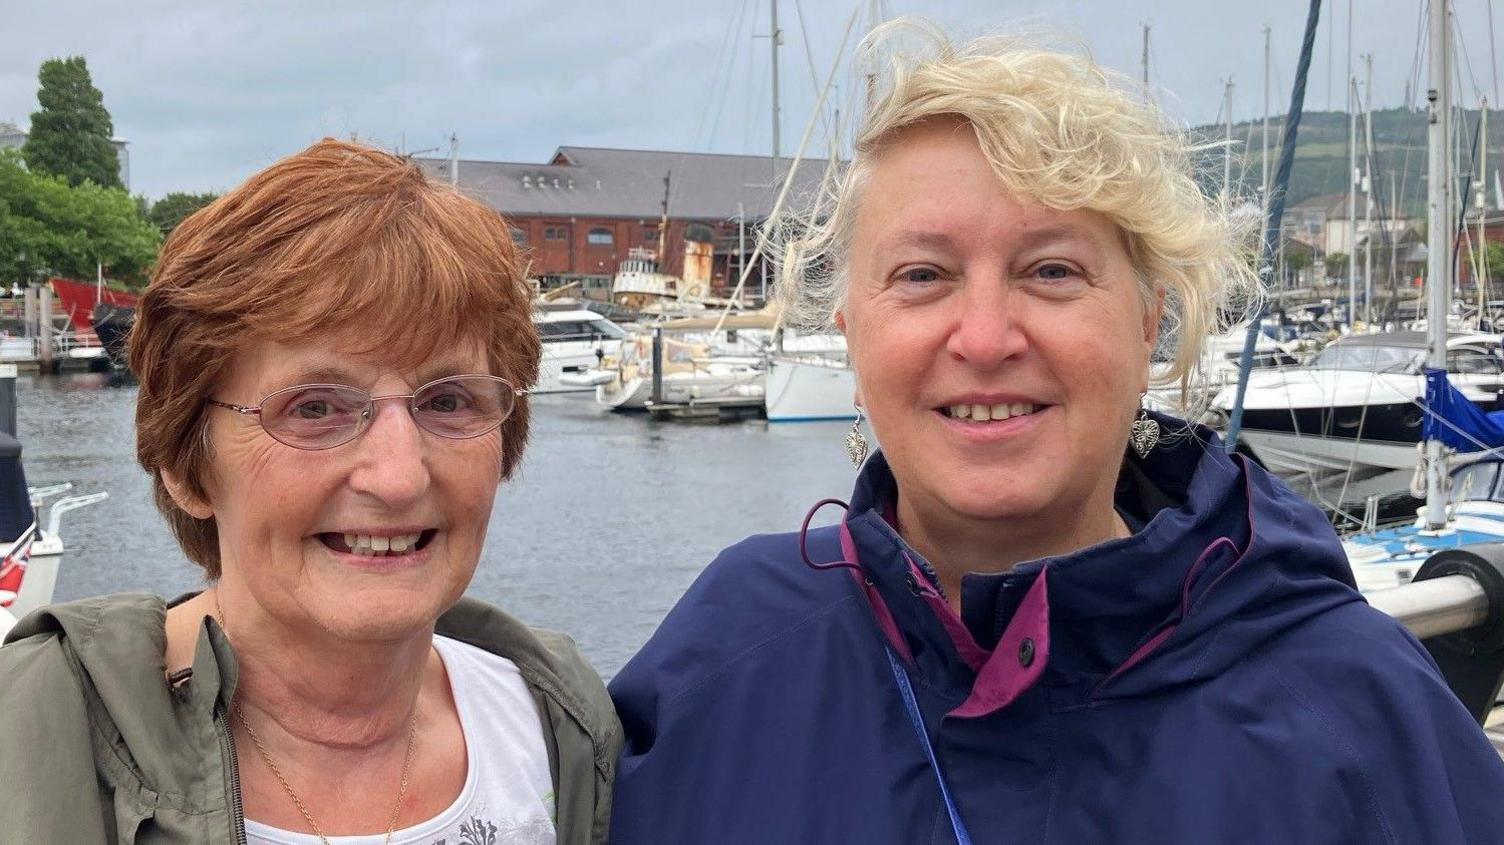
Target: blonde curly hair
point(1059, 130)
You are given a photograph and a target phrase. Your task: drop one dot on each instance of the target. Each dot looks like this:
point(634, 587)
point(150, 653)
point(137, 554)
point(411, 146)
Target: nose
point(391, 457)
point(987, 327)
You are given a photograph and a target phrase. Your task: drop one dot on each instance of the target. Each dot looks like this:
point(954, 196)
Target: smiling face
point(302, 531)
point(1000, 347)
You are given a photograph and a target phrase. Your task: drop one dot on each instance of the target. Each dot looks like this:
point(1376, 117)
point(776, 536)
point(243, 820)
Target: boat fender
point(1472, 661)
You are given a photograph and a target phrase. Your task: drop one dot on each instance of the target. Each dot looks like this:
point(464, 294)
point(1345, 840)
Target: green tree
point(167, 212)
point(1336, 265)
point(48, 227)
point(70, 133)
point(1493, 254)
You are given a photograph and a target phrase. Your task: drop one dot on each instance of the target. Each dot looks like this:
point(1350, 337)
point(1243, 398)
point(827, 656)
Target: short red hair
point(340, 234)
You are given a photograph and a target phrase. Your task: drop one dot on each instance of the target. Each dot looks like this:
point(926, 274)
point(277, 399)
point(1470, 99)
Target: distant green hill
point(1321, 154)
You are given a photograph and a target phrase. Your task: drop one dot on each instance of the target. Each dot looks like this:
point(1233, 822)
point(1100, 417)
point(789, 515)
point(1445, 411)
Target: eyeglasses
point(322, 416)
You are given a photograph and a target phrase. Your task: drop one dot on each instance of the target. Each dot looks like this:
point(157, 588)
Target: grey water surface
point(608, 521)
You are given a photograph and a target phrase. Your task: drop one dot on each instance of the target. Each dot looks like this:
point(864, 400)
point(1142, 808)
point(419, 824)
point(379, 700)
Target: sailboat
point(1463, 504)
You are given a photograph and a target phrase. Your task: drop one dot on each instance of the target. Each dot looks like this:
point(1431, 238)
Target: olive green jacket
point(95, 746)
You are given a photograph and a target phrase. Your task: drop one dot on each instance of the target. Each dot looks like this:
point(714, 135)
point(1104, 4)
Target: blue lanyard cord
point(917, 720)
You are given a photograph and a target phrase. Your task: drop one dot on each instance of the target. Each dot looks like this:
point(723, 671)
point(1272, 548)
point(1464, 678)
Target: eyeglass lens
point(321, 416)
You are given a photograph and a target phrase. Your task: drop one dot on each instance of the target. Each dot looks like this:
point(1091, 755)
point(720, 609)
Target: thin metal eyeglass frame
point(368, 413)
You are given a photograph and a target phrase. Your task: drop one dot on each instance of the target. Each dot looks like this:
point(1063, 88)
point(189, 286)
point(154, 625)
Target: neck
point(308, 687)
point(956, 545)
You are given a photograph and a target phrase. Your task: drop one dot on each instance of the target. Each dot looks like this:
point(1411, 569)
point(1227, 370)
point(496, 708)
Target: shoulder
point(1365, 696)
point(118, 630)
point(84, 620)
point(548, 661)
point(755, 595)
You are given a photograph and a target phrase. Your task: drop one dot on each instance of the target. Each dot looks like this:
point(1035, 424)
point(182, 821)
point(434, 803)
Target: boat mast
point(774, 39)
point(1227, 143)
point(1368, 191)
point(1481, 201)
point(1148, 97)
point(1438, 238)
point(1352, 201)
point(1264, 170)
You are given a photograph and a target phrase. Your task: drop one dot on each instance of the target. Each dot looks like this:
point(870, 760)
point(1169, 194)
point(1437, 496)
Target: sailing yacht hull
point(810, 390)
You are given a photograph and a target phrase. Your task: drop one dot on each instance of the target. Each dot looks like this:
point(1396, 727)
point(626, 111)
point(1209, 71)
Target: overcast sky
point(207, 92)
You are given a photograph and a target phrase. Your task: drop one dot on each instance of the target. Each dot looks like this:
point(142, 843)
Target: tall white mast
point(1352, 200)
point(776, 36)
point(1368, 190)
point(1439, 237)
point(1148, 97)
point(1264, 173)
point(1227, 143)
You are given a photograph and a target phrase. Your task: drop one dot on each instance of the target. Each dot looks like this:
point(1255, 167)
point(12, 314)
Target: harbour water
point(606, 524)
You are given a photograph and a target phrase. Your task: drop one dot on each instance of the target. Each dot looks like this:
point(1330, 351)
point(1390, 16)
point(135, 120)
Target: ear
point(185, 498)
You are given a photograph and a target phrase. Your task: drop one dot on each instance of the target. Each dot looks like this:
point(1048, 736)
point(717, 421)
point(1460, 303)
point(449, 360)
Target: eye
point(445, 399)
point(322, 404)
point(1055, 271)
point(919, 275)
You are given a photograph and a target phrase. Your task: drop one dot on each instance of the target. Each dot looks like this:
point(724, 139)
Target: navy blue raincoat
point(1215, 678)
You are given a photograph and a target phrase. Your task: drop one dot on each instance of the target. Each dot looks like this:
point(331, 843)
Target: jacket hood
point(1227, 558)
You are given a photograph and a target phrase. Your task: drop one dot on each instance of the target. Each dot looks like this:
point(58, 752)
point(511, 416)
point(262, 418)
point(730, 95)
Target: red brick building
point(578, 214)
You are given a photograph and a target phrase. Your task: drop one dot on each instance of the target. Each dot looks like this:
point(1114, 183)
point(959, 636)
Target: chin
point(384, 614)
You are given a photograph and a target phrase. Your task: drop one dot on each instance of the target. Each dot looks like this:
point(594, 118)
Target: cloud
point(209, 92)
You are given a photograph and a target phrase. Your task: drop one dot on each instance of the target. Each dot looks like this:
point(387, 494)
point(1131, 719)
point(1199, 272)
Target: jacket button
point(1026, 652)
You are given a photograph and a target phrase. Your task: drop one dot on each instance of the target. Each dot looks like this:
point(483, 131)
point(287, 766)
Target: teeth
point(373, 546)
point(988, 413)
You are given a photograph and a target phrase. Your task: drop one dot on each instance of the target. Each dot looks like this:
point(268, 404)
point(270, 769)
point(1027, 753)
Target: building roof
point(1326, 202)
point(604, 182)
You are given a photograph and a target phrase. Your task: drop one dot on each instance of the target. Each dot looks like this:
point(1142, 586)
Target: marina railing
point(1455, 607)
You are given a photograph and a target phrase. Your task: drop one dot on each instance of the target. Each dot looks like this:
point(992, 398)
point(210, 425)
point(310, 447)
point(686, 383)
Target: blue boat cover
point(1455, 420)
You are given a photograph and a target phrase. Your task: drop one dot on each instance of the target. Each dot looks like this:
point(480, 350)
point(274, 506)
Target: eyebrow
point(321, 374)
point(931, 240)
point(1059, 232)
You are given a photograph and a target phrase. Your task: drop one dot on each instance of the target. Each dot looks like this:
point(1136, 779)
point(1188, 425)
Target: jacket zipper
point(232, 766)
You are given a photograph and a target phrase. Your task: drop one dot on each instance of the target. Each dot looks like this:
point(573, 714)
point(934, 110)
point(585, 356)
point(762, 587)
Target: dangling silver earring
point(1145, 434)
point(856, 441)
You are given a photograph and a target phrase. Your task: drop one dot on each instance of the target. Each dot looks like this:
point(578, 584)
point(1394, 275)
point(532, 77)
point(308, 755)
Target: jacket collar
point(1226, 558)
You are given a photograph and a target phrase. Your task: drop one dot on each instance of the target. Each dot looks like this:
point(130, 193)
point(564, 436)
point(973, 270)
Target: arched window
point(600, 237)
point(519, 237)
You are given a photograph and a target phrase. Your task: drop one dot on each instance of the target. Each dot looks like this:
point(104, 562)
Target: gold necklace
point(407, 759)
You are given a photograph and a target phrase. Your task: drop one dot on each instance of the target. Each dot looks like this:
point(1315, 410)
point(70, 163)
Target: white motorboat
point(1218, 368)
point(573, 342)
point(1358, 404)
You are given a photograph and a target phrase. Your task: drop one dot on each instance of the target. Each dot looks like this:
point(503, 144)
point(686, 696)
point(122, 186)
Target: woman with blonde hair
point(1047, 615)
point(333, 360)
